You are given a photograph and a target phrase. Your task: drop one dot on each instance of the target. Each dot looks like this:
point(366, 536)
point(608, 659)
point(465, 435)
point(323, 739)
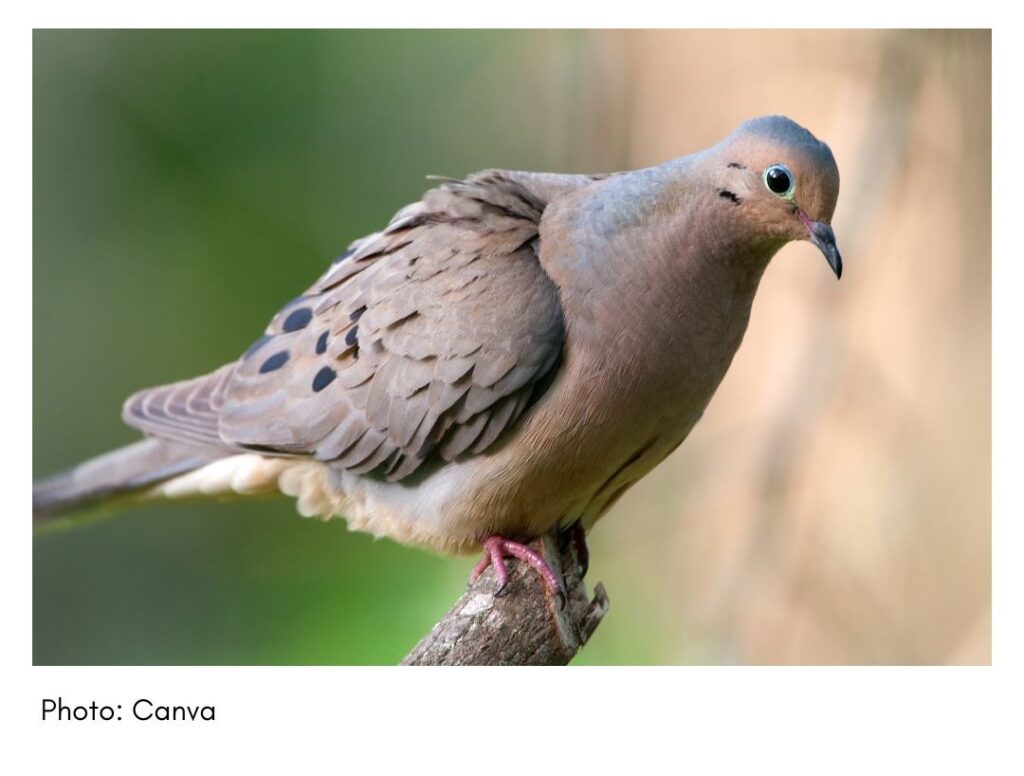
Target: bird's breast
point(630, 388)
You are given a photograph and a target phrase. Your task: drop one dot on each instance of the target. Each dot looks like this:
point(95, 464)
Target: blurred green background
point(188, 183)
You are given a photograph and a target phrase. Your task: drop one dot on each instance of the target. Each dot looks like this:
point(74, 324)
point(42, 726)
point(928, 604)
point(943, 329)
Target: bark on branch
point(524, 624)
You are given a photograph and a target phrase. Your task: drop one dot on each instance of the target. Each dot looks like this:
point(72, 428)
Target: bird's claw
point(497, 548)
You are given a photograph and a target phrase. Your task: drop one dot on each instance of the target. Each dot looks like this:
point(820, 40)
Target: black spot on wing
point(321, 344)
point(323, 378)
point(276, 361)
point(298, 319)
point(726, 194)
point(352, 337)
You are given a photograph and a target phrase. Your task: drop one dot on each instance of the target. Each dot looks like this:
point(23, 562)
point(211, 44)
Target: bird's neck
point(657, 290)
point(652, 243)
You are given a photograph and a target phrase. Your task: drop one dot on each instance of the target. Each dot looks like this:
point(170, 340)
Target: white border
point(719, 720)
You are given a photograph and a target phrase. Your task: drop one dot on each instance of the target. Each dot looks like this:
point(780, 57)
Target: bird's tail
point(127, 471)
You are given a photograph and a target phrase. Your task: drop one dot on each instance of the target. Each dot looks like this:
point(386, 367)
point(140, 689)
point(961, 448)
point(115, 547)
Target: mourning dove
point(505, 359)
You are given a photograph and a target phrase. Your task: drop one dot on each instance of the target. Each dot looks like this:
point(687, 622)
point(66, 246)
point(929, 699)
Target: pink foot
point(497, 548)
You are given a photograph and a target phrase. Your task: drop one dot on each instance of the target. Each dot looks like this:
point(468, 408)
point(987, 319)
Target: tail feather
point(122, 472)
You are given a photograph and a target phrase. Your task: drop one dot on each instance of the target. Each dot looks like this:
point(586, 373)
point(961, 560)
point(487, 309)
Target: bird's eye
point(779, 180)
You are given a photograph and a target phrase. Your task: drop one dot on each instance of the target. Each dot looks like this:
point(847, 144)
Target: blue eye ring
point(779, 180)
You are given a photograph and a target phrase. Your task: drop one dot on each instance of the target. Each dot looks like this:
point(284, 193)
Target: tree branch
point(524, 625)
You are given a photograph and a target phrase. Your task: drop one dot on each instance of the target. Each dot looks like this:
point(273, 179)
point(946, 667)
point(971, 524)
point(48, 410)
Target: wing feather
point(428, 339)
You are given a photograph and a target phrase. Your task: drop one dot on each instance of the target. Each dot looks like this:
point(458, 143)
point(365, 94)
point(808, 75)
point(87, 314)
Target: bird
point(505, 359)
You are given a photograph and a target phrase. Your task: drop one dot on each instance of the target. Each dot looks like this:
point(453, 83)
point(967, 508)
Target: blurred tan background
point(832, 506)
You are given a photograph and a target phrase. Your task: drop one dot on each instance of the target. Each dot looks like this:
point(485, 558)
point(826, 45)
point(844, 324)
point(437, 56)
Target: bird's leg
point(497, 548)
point(492, 557)
point(578, 537)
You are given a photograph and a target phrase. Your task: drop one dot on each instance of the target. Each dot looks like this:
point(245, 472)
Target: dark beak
point(823, 236)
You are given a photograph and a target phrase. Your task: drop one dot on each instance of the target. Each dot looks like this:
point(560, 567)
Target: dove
point(505, 359)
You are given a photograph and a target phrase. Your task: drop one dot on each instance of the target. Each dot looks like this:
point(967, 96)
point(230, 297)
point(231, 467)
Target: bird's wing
point(427, 339)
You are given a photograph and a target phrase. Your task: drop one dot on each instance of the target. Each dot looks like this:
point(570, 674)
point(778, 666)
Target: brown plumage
point(509, 355)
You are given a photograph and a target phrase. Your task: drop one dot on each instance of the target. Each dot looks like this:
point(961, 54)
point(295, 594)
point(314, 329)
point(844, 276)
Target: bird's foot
point(497, 548)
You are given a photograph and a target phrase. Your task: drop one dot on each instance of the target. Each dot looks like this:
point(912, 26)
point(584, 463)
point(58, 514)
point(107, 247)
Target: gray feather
point(121, 472)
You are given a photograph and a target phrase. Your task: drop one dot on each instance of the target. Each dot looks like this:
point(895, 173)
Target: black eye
point(779, 180)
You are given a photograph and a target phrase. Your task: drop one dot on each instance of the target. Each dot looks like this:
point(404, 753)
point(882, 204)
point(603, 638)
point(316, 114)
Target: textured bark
point(524, 624)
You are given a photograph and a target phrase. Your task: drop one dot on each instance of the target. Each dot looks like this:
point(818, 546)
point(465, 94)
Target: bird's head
point(782, 181)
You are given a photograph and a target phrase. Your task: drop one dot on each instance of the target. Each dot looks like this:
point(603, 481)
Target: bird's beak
point(821, 234)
